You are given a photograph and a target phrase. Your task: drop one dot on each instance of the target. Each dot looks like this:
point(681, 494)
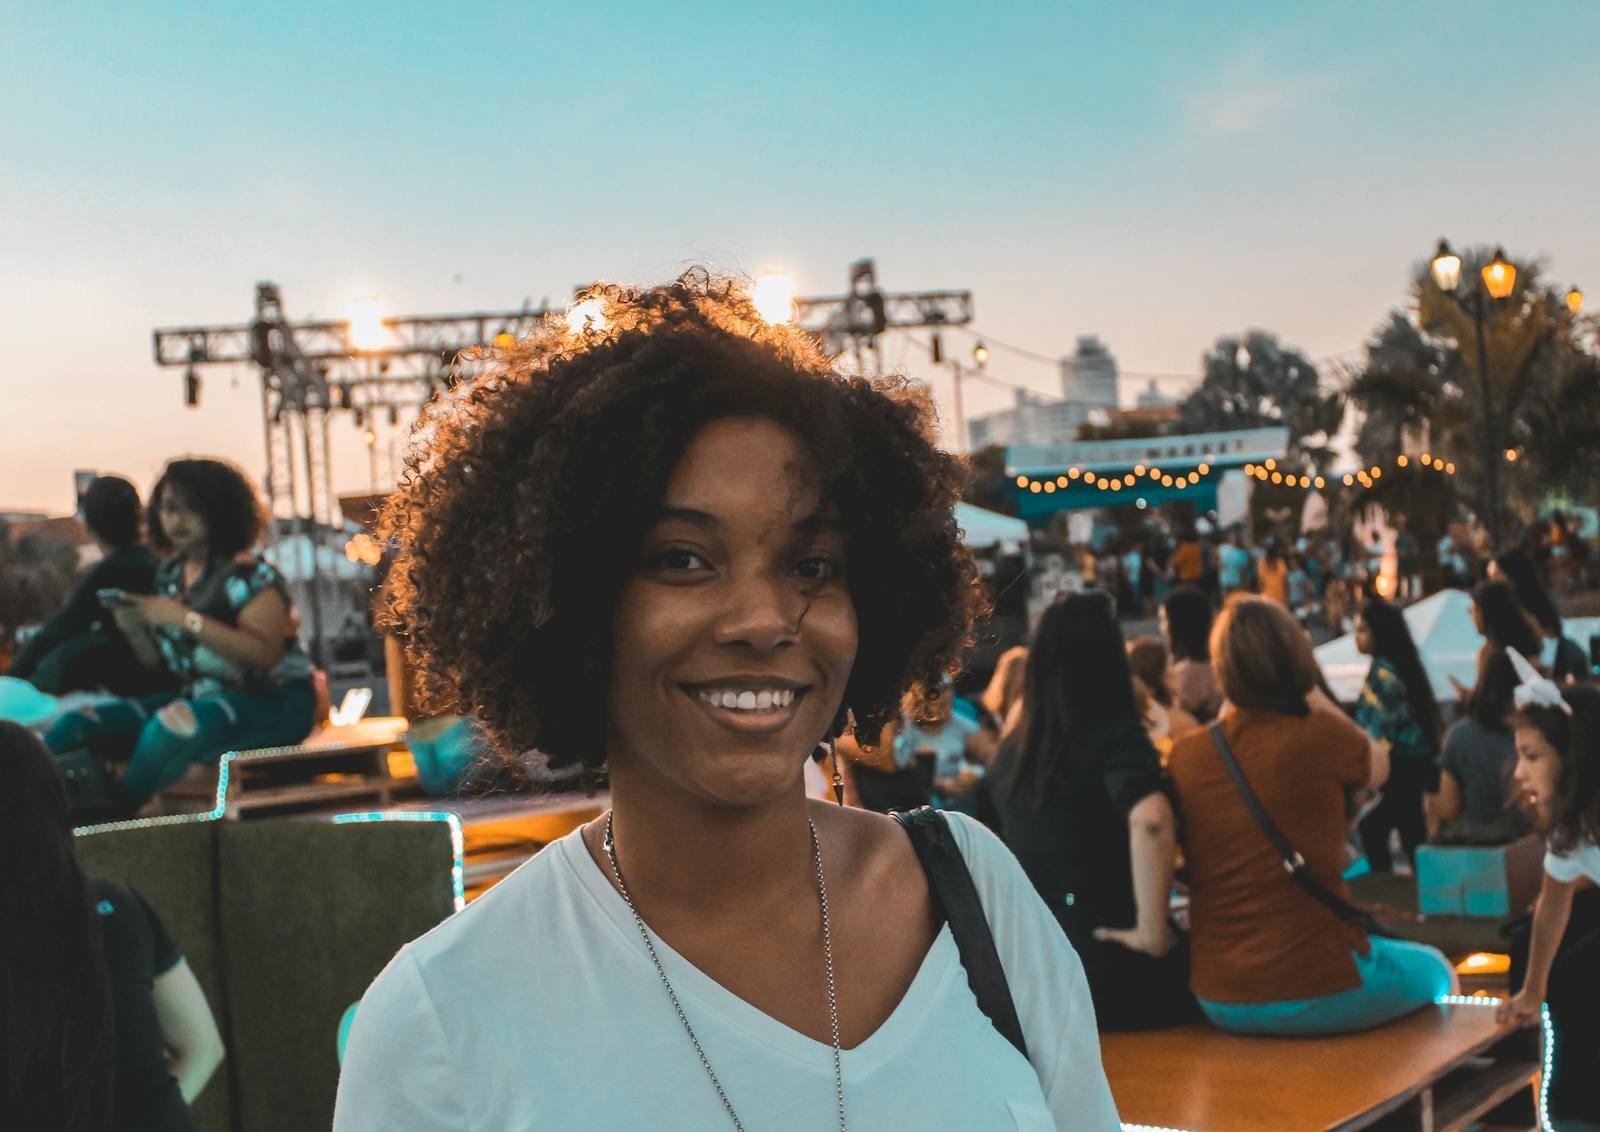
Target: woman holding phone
point(220, 623)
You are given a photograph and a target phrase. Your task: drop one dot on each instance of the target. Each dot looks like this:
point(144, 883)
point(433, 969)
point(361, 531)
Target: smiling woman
point(673, 541)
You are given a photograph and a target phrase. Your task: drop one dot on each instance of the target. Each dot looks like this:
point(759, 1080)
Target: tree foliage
point(1419, 388)
point(1257, 382)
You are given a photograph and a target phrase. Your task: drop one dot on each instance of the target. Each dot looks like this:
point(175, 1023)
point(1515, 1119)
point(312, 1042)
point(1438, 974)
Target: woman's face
point(185, 527)
point(1538, 772)
point(1363, 636)
point(735, 635)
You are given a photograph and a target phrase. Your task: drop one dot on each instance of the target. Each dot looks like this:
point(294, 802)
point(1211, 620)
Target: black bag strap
point(956, 902)
point(1293, 863)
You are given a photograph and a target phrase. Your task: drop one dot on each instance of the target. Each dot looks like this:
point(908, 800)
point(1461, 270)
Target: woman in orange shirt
point(1267, 957)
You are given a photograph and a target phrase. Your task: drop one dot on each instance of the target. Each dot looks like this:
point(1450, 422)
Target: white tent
point(981, 529)
point(1442, 627)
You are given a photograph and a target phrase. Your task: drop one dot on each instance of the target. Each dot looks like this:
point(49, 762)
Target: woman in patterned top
point(1396, 707)
point(220, 621)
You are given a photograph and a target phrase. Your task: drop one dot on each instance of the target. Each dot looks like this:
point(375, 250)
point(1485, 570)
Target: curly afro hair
point(522, 509)
point(220, 494)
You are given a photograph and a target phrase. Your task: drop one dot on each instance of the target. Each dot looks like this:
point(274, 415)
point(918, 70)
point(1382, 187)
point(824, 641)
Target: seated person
point(1164, 718)
point(80, 648)
point(930, 753)
point(1081, 803)
point(115, 1031)
point(1474, 804)
point(220, 622)
point(1268, 957)
point(946, 741)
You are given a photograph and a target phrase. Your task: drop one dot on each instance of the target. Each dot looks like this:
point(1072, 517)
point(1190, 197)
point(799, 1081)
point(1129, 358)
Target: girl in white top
point(677, 544)
point(1558, 772)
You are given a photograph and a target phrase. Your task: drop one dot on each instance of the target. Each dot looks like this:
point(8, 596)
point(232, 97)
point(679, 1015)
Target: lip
point(745, 682)
point(749, 723)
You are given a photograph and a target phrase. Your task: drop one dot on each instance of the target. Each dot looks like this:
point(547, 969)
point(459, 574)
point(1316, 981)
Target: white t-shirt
point(1583, 861)
point(537, 1008)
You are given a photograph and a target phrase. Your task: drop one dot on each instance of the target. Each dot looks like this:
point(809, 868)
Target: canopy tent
point(1446, 639)
point(981, 529)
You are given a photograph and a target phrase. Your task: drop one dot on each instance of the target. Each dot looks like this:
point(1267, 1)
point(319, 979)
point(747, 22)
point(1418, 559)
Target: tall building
point(1089, 391)
point(1089, 376)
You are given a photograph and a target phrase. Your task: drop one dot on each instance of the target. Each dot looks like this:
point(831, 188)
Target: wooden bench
point(335, 765)
point(1437, 1070)
point(501, 831)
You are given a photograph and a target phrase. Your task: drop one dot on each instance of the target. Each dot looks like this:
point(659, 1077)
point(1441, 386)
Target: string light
point(1401, 461)
point(1022, 481)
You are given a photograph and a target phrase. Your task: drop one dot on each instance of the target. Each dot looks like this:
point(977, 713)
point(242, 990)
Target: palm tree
point(1420, 388)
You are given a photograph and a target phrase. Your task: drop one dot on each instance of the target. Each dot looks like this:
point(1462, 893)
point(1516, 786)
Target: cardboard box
point(1498, 881)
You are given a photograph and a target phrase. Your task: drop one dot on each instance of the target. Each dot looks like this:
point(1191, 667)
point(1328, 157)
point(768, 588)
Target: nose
point(761, 611)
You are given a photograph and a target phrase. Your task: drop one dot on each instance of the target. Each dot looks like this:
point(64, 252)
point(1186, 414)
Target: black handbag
point(956, 902)
point(1293, 863)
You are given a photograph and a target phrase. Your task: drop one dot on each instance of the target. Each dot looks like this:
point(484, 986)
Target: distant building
point(1151, 397)
point(1089, 393)
point(1089, 377)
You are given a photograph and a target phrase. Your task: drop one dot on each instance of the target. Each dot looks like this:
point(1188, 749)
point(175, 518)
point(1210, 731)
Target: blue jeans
point(1397, 977)
point(158, 756)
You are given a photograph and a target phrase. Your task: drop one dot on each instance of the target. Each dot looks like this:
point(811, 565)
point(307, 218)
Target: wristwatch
point(193, 622)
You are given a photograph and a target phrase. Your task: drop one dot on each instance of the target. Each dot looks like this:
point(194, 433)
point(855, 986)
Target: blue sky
point(1157, 174)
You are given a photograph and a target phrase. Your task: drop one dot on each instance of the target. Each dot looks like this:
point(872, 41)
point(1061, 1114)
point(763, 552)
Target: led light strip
point(213, 814)
point(1548, 1069)
point(1467, 1000)
point(457, 841)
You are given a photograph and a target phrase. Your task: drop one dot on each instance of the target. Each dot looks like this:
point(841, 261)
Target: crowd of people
point(678, 549)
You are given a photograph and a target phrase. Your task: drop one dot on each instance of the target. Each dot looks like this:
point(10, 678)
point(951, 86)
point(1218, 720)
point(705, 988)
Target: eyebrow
point(816, 522)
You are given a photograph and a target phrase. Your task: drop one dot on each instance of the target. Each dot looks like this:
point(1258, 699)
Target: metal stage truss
point(314, 369)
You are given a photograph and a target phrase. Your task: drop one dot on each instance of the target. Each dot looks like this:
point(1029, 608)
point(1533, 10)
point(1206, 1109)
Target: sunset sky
point(1157, 174)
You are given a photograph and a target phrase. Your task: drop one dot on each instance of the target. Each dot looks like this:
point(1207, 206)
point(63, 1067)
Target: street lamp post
point(1498, 279)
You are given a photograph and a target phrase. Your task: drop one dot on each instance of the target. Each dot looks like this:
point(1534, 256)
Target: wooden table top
point(1199, 1079)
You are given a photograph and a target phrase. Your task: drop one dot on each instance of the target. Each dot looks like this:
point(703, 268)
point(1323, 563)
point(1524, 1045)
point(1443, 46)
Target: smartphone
point(112, 597)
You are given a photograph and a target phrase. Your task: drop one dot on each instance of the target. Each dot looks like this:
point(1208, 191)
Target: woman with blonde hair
point(1276, 952)
point(1000, 699)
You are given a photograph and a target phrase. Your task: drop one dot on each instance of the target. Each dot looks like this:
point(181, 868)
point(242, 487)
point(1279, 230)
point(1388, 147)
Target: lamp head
point(1446, 267)
point(1499, 277)
point(1575, 301)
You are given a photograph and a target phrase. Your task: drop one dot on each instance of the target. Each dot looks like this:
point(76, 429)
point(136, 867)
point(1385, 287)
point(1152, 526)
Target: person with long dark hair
point(1558, 654)
point(1499, 616)
point(1558, 772)
point(1185, 621)
point(1268, 958)
point(1473, 804)
point(220, 622)
point(55, 994)
point(102, 1024)
point(1081, 803)
point(1396, 707)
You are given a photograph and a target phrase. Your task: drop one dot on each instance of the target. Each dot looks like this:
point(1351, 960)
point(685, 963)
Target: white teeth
point(765, 700)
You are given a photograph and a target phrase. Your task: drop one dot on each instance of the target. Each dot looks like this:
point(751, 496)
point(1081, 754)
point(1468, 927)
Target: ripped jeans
point(158, 751)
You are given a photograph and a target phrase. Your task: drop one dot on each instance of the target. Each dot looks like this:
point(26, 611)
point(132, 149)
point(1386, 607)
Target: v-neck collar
point(940, 964)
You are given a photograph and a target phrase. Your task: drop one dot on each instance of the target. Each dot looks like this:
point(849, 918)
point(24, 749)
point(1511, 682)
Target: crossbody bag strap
point(956, 901)
point(1293, 863)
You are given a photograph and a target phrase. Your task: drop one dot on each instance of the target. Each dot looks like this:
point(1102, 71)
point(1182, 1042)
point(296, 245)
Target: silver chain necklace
point(827, 954)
